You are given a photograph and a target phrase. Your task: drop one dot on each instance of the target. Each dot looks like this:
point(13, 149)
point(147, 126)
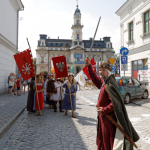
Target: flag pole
point(35, 82)
point(94, 36)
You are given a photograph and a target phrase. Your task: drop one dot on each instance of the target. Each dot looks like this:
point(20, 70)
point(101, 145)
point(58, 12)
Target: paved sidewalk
point(10, 109)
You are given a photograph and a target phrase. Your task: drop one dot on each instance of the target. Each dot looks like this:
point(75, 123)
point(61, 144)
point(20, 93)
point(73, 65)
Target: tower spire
point(77, 3)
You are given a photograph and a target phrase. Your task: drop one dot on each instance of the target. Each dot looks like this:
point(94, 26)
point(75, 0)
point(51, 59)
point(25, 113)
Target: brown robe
point(105, 129)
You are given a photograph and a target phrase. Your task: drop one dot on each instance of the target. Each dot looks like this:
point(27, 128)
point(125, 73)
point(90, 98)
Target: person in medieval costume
point(48, 87)
point(55, 91)
point(40, 99)
point(30, 100)
point(110, 103)
point(69, 101)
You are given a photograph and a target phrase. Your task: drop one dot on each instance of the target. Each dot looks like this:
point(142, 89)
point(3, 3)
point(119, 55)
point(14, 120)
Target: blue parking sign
point(124, 59)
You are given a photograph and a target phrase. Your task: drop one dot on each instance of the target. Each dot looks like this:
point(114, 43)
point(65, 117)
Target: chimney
point(90, 39)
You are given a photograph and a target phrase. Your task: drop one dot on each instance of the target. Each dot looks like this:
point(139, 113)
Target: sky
point(55, 18)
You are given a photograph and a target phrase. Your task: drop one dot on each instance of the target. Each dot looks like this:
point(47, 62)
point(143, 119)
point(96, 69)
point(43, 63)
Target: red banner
point(93, 66)
point(60, 66)
point(25, 64)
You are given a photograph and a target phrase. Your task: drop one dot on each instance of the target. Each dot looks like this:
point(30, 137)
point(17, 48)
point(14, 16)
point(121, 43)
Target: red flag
point(25, 64)
point(60, 66)
point(93, 66)
point(85, 70)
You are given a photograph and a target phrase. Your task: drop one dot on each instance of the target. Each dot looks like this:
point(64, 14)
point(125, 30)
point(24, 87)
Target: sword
point(121, 130)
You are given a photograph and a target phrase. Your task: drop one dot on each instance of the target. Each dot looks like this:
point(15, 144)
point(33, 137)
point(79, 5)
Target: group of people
point(114, 129)
point(16, 84)
point(51, 90)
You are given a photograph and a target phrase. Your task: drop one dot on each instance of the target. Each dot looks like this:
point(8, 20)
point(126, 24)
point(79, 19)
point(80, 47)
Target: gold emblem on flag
point(80, 78)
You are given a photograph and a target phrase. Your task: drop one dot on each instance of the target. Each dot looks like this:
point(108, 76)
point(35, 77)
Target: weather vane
point(77, 3)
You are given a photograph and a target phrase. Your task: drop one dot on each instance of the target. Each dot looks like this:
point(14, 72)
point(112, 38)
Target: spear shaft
point(94, 36)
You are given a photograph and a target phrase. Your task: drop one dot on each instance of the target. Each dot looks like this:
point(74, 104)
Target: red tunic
point(105, 129)
point(40, 96)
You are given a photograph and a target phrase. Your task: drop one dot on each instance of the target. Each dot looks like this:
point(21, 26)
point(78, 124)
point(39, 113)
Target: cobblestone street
point(55, 131)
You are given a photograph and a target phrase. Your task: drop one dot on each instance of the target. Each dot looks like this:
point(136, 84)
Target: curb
point(5, 128)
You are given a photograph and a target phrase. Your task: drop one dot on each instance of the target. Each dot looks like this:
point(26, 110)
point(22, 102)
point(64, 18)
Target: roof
point(77, 10)
point(68, 43)
point(126, 3)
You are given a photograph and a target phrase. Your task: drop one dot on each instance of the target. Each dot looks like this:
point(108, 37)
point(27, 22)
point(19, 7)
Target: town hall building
point(75, 49)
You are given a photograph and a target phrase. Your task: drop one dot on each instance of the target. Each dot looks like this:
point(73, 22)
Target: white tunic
point(57, 96)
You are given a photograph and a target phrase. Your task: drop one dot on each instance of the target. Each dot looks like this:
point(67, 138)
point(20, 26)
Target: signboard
point(124, 59)
point(111, 60)
point(124, 51)
point(113, 68)
point(141, 75)
point(124, 67)
point(78, 55)
point(79, 62)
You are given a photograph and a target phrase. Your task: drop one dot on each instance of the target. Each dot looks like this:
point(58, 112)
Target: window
point(140, 64)
point(145, 63)
point(130, 82)
point(42, 43)
point(42, 50)
point(136, 83)
point(42, 59)
point(147, 22)
point(131, 31)
point(77, 22)
point(78, 36)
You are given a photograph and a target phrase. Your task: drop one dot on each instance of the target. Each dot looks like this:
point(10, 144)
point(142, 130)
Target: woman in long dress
point(40, 100)
point(70, 88)
point(30, 101)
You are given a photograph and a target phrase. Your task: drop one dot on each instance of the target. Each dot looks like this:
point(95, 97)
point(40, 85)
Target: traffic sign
point(124, 59)
point(111, 60)
point(124, 51)
point(124, 67)
point(113, 68)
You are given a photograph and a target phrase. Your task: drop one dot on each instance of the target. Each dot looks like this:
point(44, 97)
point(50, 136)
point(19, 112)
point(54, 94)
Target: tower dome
point(77, 10)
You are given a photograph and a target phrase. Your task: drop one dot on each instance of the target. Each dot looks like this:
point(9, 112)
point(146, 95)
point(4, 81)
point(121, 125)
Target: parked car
point(131, 88)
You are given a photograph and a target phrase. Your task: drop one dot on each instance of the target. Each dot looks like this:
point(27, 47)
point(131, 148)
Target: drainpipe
point(18, 34)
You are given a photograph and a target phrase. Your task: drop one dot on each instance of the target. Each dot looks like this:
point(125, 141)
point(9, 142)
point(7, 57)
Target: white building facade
point(9, 10)
point(135, 35)
point(75, 49)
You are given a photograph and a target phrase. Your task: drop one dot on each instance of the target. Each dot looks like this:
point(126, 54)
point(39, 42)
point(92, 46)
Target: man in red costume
point(111, 103)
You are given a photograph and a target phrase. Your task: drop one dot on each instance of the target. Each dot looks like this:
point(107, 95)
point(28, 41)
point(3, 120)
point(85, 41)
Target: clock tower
point(77, 30)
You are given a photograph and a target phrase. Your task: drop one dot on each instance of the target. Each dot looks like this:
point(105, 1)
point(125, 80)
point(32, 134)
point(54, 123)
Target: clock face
point(78, 14)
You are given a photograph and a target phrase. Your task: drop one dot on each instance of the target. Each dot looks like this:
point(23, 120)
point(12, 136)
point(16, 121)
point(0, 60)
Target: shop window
point(134, 65)
point(140, 64)
point(145, 63)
